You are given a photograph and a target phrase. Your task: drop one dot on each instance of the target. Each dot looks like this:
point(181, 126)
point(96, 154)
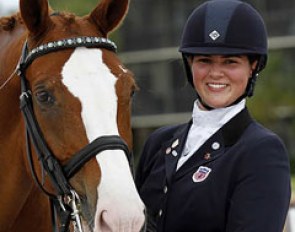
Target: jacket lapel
point(172, 150)
point(215, 146)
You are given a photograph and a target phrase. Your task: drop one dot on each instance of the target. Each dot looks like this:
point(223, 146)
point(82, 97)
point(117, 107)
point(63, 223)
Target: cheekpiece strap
point(84, 41)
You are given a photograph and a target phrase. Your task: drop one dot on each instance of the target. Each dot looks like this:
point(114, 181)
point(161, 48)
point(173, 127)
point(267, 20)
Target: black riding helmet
point(225, 27)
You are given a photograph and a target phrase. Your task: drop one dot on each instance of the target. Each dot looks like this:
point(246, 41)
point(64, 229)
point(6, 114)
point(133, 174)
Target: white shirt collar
point(205, 124)
point(217, 117)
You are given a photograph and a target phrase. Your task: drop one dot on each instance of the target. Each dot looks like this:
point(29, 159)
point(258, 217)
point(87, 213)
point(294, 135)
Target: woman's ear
point(254, 65)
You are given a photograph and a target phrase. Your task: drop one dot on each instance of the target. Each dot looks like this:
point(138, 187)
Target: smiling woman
point(221, 171)
point(221, 80)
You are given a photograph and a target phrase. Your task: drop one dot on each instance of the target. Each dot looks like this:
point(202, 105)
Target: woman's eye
point(230, 62)
point(44, 97)
point(203, 60)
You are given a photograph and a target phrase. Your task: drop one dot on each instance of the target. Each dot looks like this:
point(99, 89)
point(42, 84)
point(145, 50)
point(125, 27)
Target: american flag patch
point(201, 174)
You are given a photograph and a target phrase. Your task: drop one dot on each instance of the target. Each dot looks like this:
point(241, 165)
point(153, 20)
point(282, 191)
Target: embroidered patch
point(201, 174)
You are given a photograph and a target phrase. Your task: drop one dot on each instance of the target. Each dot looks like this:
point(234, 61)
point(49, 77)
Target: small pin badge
point(168, 150)
point(175, 143)
point(207, 156)
point(201, 174)
point(174, 153)
point(215, 146)
point(214, 35)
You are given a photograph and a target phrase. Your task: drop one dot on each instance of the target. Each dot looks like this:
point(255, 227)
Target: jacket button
point(160, 213)
point(165, 189)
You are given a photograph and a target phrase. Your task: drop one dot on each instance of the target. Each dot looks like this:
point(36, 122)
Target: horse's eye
point(44, 97)
point(132, 93)
point(134, 89)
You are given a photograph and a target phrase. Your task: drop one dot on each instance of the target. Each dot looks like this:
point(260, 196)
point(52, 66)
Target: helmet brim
point(219, 51)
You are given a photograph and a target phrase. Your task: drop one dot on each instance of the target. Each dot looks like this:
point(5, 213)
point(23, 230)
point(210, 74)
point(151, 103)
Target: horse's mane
point(8, 23)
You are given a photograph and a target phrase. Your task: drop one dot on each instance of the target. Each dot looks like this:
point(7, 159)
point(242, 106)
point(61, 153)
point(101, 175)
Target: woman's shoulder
point(263, 141)
point(260, 133)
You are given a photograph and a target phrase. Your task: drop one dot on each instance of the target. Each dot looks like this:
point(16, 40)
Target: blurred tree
point(275, 88)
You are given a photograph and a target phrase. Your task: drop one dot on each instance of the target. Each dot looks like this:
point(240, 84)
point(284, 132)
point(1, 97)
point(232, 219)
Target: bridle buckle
point(75, 203)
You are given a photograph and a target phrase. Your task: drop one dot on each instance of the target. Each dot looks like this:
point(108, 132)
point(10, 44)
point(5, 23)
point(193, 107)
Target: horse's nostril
point(106, 225)
point(114, 220)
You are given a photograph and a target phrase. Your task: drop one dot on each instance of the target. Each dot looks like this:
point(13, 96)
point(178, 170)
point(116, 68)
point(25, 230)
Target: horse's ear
point(108, 14)
point(35, 15)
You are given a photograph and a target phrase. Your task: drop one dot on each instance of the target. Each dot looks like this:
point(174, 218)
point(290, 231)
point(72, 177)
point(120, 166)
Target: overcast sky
point(8, 6)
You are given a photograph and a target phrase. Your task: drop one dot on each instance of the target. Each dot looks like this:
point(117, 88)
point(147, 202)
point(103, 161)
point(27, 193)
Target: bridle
point(65, 203)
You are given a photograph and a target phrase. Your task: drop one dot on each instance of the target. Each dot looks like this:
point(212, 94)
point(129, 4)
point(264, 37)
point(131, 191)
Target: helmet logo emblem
point(214, 35)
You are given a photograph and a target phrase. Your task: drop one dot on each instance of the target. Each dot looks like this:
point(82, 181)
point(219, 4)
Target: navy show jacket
point(245, 185)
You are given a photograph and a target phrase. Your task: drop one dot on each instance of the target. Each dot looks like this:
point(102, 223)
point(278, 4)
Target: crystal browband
point(83, 41)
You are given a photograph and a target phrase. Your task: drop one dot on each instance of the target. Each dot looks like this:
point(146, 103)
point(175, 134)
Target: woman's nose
point(216, 71)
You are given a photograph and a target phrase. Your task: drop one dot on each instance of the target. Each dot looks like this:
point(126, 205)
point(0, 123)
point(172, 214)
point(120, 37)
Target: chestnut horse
point(65, 123)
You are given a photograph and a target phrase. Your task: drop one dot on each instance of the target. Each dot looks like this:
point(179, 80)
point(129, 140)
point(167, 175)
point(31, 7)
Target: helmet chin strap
point(207, 107)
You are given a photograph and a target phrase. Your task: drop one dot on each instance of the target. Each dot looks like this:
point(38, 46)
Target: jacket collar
point(209, 151)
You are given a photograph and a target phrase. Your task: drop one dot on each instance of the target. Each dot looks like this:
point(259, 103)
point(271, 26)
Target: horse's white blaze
point(119, 207)
point(90, 80)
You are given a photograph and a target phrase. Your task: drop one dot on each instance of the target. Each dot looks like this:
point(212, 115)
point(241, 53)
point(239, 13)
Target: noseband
point(65, 202)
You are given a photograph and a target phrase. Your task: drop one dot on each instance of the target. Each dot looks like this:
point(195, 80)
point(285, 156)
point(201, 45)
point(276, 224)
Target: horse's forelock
point(65, 16)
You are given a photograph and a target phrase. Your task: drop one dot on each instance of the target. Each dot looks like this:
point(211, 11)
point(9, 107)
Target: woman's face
point(220, 80)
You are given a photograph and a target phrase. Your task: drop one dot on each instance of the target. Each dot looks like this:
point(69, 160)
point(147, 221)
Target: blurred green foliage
point(76, 6)
point(274, 94)
point(80, 8)
point(273, 103)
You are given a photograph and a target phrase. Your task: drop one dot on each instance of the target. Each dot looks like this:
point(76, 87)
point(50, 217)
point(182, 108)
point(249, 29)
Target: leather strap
point(111, 142)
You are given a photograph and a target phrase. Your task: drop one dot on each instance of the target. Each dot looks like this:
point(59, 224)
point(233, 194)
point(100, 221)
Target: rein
point(65, 204)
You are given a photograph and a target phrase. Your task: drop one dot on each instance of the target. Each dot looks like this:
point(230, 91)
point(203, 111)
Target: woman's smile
point(216, 86)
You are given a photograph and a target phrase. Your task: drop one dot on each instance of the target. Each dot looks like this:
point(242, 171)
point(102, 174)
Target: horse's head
point(80, 93)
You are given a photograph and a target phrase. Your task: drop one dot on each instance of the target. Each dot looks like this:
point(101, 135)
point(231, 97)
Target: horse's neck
point(10, 49)
point(11, 42)
point(23, 206)
point(21, 202)
point(34, 215)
